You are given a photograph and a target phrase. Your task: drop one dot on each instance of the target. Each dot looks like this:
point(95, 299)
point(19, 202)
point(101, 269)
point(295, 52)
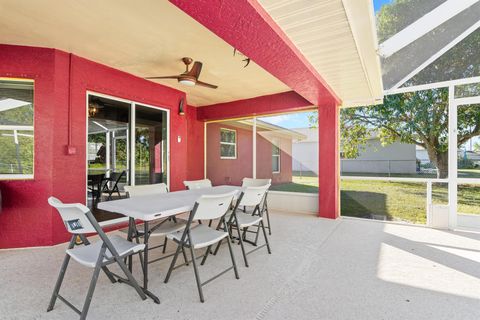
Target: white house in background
point(305, 152)
point(397, 157)
point(422, 155)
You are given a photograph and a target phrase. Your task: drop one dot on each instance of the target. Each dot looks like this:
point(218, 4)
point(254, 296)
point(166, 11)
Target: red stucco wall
point(232, 171)
point(26, 219)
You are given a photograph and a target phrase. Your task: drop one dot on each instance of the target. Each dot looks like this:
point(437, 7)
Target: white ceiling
point(339, 39)
point(149, 38)
point(146, 38)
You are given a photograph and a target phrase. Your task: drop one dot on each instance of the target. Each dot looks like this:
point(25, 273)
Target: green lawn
point(398, 201)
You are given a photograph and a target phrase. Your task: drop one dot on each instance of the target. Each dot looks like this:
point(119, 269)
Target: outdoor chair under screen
point(250, 182)
point(79, 221)
point(200, 236)
point(114, 179)
point(241, 221)
point(161, 229)
point(197, 184)
point(95, 185)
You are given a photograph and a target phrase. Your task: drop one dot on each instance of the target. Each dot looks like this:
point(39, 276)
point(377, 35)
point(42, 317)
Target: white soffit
point(339, 39)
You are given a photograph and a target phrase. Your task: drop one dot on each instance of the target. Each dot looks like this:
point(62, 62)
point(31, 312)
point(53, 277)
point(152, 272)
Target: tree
point(476, 147)
point(421, 117)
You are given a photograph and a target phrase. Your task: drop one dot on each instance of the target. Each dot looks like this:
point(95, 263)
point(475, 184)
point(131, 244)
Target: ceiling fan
point(189, 77)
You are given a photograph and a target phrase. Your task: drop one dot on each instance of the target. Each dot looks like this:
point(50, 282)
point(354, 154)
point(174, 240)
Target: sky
point(377, 4)
point(289, 121)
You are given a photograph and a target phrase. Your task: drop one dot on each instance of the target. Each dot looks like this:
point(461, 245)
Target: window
point(275, 158)
point(16, 129)
point(228, 143)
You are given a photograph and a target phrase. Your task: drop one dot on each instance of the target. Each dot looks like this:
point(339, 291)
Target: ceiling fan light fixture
point(187, 82)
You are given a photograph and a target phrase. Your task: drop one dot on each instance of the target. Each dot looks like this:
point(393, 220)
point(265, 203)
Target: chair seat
point(88, 255)
point(202, 236)
point(165, 228)
point(247, 220)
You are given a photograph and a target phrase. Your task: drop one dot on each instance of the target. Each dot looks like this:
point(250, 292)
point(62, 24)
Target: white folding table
point(153, 207)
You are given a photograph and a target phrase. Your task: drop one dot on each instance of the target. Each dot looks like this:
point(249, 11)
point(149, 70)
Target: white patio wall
point(293, 202)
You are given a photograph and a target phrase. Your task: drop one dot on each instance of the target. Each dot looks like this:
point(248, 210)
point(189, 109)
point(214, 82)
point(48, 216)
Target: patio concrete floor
point(319, 269)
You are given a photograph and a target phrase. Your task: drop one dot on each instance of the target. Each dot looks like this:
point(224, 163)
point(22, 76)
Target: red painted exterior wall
point(289, 101)
point(195, 145)
point(26, 219)
point(328, 162)
point(232, 171)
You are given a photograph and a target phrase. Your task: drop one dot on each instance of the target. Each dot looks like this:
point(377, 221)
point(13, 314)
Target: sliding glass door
point(127, 144)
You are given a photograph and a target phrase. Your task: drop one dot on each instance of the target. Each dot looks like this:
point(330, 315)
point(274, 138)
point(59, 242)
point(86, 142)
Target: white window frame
point(229, 144)
point(21, 176)
point(276, 144)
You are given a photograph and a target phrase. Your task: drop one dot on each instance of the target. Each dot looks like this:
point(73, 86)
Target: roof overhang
point(338, 38)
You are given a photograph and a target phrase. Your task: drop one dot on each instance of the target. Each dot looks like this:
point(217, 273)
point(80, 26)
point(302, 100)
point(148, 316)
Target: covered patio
point(384, 271)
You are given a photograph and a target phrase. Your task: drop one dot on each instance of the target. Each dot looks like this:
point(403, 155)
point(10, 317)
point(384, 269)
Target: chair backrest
point(116, 176)
point(215, 206)
point(197, 184)
point(253, 196)
point(250, 182)
point(74, 216)
point(145, 190)
point(97, 178)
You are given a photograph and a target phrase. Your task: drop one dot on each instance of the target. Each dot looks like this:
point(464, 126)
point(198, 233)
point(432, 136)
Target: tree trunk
point(442, 165)
point(440, 160)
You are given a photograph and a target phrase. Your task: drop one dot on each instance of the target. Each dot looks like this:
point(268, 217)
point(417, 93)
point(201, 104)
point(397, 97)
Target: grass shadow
point(362, 204)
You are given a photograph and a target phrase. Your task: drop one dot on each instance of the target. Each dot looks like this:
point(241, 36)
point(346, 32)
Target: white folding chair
point(108, 250)
point(250, 182)
point(236, 219)
point(207, 207)
point(145, 190)
point(197, 184)
point(161, 229)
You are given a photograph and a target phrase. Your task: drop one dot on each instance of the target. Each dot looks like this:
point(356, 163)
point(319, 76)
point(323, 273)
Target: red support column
point(328, 162)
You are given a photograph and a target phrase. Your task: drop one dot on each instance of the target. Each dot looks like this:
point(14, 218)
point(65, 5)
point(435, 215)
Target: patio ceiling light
point(187, 82)
point(93, 108)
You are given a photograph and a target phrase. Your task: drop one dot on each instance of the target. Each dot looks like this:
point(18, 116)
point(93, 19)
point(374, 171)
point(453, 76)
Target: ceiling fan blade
point(208, 85)
point(166, 77)
point(196, 69)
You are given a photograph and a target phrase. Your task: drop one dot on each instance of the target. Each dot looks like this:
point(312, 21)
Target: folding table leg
point(164, 245)
point(146, 238)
